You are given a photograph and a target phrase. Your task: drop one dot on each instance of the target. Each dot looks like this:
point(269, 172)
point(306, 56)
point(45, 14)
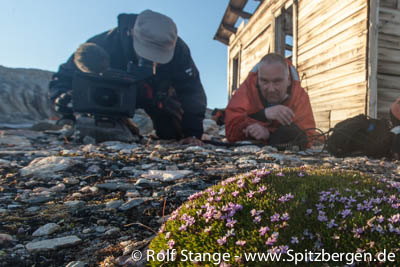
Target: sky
point(43, 34)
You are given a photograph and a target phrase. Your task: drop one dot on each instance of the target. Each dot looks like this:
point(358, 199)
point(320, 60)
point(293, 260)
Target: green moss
point(352, 200)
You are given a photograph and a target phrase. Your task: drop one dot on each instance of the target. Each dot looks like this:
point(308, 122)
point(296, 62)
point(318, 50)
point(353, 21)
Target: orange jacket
point(246, 101)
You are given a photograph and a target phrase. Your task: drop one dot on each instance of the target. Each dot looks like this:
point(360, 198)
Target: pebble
point(46, 229)
point(51, 244)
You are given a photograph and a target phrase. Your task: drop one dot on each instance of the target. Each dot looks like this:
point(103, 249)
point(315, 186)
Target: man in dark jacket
point(173, 97)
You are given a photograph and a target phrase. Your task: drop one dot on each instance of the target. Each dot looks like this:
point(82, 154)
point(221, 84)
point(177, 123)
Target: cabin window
point(284, 33)
point(235, 74)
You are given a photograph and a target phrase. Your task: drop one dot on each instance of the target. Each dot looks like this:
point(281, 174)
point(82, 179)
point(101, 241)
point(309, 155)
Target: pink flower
point(270, 241)
point(250, 194)
point(275, 217)
point(230, 223)
point(263, 230)
point(221, 241)
point(283, 249)
point(240, 243)
point(171, 243)
point(395, 218)
point(256, 180)
point(285, 217)
point(345, 213)
point(261, 189)
point(280, 174)
point(257, 219)
point(235, 194)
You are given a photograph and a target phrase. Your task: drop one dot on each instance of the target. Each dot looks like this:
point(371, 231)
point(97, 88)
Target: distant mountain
point(23, 95)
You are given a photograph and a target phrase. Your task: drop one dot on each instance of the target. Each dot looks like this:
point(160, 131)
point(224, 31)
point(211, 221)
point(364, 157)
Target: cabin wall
point(388, 55)
point(332, 57)
point(330, 52)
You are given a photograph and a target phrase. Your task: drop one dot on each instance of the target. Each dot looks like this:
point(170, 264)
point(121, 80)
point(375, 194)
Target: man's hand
point(191, 141)
point(256, 131)
point(281, 113)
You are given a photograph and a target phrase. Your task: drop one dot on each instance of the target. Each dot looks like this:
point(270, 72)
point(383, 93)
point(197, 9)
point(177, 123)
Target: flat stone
point(5, 163)
point(167, 176)
point(112, 231)
point(115, 204)
point(75, 204)
point(131, 204)
point(194, 149)
point(71, 181)
point(52, 244)
point(115, 186)
point(116, 146)
point(46, 229)
point(247, 149)
point(18, 141)
point(76, 264)
point(37, 200)
point(46, 167)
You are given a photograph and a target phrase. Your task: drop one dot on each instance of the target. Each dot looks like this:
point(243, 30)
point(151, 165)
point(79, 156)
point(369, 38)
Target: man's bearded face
point(273, 81)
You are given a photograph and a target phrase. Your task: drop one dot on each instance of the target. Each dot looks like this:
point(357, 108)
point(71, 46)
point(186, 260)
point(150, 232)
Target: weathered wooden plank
point(389, 27)
point(340, 115)
point(390, 55)
point(338, 44)
point(387, 81)
point(314, 37)
point(388, 3)
point(324, 95)
point(330, 15)
point(388, 94)
point(295, 33)
point(389, 41)
point(389, 14)
point(333, 57)
point(356, 70)
point(386, 67)
point(372, 89)
point(309, 9)
point(339, 104)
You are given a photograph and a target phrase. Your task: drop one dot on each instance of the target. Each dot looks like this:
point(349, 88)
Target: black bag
point(360, 136)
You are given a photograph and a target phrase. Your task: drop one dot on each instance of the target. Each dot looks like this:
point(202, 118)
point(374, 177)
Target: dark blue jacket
point(181, 72)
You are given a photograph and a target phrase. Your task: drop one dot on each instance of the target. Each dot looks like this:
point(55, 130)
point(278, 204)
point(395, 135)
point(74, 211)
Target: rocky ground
point(64, 203)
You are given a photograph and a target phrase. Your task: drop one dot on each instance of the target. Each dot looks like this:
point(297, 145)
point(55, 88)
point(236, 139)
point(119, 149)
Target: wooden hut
point(347, 52)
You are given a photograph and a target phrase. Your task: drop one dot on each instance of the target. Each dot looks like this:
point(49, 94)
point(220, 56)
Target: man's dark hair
point(92, 58)
point(275, 58)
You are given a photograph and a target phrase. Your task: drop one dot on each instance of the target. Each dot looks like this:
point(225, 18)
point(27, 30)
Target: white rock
point(89, 148)
point(46, 167)
point(210, 127)
point(247, 149)
point(46, 229)
point(194, 149)
point(51, 244)
point(76, 264)
point(167, 176)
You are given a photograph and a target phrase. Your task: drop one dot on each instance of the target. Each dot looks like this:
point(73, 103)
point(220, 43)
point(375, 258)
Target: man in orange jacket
point(270, 106)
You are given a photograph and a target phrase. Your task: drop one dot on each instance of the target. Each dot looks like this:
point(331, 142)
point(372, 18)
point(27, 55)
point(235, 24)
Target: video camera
point(112, 94)
point(108, 98)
